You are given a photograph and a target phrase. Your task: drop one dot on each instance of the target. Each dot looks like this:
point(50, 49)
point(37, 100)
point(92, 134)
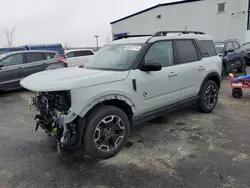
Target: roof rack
point(130, 36)
point(230, 39)
point(164, 33)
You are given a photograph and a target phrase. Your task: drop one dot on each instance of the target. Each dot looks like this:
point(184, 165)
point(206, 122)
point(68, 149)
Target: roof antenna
point(186, 28)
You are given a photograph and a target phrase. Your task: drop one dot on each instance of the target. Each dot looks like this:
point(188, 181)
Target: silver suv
point(129, 81)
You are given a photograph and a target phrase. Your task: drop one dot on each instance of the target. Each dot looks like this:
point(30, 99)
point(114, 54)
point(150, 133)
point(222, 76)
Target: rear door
point(190, 67)
point(33, 62)
point(10, 71)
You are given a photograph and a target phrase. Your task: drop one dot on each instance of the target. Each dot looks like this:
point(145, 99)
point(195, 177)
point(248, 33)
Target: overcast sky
point(71, 22)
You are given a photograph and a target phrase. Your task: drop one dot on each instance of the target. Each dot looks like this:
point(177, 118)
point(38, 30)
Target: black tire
point(94, 121)
point(237, 93)
point(203, 105)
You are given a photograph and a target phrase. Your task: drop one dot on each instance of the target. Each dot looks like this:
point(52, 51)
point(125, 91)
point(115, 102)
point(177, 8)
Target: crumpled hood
point(70, 78)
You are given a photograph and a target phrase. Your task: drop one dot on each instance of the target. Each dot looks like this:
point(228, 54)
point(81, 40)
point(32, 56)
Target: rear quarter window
point(82, 53)
point(207, 48)
point(88, 52)
point(49, 55)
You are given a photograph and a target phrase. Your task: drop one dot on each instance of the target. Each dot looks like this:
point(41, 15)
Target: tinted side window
point(69, 55)
point(12, 60)
point(207, 48)
point(161, 52)
point(88, 52)
point(79, 53)
point(186, 51)
point(236, 45)
point(33, 57)
point(229, 46)
point(49, 55)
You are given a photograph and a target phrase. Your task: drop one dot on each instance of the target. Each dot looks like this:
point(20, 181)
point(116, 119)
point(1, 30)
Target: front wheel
point(208, 97)
point(106, 132)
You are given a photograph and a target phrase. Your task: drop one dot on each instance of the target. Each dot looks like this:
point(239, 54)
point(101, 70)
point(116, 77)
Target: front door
point(10, 72)
point(161, 88)
point(231, 57)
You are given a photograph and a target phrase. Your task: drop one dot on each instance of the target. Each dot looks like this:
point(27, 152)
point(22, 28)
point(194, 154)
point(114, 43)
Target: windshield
point(114, 57)
point(219, 46)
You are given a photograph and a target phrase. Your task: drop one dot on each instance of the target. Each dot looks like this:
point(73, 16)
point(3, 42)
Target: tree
point(10, 36)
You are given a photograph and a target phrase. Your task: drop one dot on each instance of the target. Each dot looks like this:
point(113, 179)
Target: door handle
point(201, 68)
point(172, 74)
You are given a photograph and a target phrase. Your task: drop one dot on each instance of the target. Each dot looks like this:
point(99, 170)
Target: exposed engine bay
point(52, 108)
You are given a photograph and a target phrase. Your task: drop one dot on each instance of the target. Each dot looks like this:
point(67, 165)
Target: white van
point(78, 57)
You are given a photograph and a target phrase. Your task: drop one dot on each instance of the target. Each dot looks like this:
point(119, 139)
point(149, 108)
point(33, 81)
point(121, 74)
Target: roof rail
point(164, 33)
point(230, 39)
point(130, 36)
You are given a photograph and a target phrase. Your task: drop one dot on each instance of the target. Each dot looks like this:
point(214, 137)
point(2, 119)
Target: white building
point(221, 19)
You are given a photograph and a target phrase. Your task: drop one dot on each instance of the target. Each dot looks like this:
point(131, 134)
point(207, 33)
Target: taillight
point(63, 60)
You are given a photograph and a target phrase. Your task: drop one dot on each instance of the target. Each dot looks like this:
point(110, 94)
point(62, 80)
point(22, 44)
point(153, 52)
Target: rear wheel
point(237, 93)
point(208, 97)
point(106, 132)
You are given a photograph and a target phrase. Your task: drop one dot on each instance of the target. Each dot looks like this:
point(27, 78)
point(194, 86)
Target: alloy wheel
point(210, 96)
point(109, 133)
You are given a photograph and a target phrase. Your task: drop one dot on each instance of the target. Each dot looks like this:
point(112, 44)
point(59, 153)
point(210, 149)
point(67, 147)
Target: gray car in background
point(15, 66)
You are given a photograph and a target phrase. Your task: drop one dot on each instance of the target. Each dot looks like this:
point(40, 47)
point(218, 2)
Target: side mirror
point(230, 50)
point(151, 66)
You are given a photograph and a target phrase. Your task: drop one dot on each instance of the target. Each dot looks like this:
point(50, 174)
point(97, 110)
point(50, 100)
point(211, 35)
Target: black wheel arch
point(212, 76)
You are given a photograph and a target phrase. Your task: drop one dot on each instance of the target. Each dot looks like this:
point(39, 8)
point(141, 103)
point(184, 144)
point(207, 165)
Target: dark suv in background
point(233, 56)
point(246, 47)
point(15, 66)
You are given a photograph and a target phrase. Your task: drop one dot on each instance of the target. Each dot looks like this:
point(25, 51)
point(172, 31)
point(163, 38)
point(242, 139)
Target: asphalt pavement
point(184, 149)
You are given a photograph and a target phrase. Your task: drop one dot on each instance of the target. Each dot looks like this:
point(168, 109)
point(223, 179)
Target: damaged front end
point(56, 118)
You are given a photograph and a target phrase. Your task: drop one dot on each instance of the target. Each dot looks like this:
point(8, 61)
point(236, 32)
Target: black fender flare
point(212, 76)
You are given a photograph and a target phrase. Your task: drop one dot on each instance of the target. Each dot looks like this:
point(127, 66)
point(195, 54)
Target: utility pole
point(96, 37)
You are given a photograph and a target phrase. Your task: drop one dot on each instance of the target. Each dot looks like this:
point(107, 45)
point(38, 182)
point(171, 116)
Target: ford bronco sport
point(130, 80)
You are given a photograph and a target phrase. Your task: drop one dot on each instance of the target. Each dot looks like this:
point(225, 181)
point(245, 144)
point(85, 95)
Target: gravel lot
point(183, 149)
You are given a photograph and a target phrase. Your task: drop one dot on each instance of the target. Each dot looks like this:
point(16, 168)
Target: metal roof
point(156, 6)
